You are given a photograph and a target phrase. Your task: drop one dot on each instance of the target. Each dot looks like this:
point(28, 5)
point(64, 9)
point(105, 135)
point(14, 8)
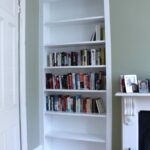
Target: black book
point(64, 82)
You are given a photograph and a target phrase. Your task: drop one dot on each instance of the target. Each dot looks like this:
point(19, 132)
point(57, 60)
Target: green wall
point(130, 35)
point(32, 73)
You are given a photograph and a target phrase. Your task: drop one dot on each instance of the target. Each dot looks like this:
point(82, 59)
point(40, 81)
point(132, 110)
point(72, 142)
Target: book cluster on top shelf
point(79, 81)
point(130, 84)
point(65, 103)
point(82, 58)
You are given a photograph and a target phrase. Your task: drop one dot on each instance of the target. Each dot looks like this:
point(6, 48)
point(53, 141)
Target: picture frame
point(129, 81)
point(143, 86)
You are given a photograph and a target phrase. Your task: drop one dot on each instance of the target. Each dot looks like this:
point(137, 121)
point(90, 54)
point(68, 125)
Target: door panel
point(9, 100)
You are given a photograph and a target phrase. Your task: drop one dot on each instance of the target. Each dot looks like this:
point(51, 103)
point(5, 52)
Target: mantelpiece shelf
point(120, 94)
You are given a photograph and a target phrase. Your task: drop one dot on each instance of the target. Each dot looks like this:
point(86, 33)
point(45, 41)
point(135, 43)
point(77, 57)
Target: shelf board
point(73, 91)
point(77, 20)
point(75, 67)
point(93, 115)
point(120, 94)
point(75, 136)
point(86, 43)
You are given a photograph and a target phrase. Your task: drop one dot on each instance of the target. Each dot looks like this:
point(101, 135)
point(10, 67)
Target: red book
point(70, 83)
point(64, 103)
point(81, 81)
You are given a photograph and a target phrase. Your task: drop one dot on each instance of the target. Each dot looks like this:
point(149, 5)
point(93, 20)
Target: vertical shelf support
point(128, 110)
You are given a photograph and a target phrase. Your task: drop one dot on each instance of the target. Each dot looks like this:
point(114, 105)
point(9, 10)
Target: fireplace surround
point(134, 107)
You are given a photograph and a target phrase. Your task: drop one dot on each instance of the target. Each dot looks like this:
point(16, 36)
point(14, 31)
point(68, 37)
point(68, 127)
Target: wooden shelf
point(74, 114)
point(120, 94)
point(95, 19)
point(73, 91)
point(75, 67)
point(75, 136)
point(86, 43)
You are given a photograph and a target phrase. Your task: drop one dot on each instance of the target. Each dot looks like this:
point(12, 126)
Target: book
point(98, 34)
point(102, 56)
point(93, 57)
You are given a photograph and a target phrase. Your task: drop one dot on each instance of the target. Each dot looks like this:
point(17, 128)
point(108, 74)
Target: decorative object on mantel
point(130, 84)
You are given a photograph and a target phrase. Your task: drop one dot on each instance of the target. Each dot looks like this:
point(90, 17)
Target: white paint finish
point(9, 114)
point(1, 62)
point(39, 148)
point(96, 19)
point(76, 114)
point(23, 77)
point(9, 6)
point(3, 141)
point(130, 130)
point(75, 136)
point(78, 43)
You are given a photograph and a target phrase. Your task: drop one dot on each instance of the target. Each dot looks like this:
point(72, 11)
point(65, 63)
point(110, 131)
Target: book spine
point(93, 55)
point(73, 81)
point(102, 56)
point(78, 98)
point(81, 81)
point(98, 57)
point(98, 29)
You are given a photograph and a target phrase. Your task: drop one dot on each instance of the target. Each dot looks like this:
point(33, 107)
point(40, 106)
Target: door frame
point(22, 66)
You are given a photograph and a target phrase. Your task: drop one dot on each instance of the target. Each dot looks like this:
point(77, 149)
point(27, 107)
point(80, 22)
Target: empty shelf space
point(75, 136)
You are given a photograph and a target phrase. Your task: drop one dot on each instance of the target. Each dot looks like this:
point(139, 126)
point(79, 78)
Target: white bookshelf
point(68, 26)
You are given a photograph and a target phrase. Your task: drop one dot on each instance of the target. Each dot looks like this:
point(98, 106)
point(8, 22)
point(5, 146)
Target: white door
point(9, 101)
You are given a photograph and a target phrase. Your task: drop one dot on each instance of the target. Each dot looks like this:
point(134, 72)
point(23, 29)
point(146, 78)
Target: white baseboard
point(39, 148)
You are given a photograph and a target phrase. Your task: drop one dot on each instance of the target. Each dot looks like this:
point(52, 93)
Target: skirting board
point(39, 148)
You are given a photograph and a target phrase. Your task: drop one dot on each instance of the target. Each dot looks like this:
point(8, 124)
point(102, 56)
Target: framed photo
point(143, 86)
point(129, 81)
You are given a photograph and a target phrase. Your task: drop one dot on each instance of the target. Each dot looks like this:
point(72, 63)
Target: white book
point(98, 57)
point(73, 81)
point(93, 56)
point(59, 59)
point(98, 28)
point(50, 60)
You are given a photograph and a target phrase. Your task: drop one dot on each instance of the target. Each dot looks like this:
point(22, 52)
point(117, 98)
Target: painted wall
point(32, 74)
point(130, 27)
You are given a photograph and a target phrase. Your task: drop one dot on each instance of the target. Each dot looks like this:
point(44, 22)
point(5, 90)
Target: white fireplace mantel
point(132, 104)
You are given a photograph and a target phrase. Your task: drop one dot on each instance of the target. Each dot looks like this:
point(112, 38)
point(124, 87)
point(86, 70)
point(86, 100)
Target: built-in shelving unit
point(72, 26)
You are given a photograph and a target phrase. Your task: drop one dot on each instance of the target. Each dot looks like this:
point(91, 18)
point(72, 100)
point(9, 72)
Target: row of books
point(65, 103)
point(82, 58)
point(80, 81)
